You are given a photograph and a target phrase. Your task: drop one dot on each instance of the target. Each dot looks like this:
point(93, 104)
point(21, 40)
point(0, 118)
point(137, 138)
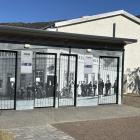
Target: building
point(113, 24)
point(54, 69)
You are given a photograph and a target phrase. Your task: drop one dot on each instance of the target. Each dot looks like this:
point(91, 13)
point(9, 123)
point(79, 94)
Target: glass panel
point(67, 80)
point(25, 83)
point(7, 79)
point(44, 80)
point(108, 85)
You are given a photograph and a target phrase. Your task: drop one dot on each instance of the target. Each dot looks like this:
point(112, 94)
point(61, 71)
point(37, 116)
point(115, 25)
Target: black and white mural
point(132, 81)
point(98, 78)
point(7, 79)
point(108, 80)
point(81, 78)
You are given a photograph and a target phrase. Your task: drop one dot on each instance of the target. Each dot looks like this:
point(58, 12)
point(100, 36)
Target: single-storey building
point(120, 24)
point(54, 69)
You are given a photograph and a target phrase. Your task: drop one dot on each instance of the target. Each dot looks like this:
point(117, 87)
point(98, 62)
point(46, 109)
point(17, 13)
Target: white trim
point(95, 17)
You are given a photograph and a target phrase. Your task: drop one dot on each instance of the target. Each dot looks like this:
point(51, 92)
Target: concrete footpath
point(46, 132)
point(31, 124)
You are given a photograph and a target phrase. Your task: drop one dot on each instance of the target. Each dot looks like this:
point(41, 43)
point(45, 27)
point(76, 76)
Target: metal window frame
point(118, 66)
point(75, 85)
point(16, 64)
point(55, 75)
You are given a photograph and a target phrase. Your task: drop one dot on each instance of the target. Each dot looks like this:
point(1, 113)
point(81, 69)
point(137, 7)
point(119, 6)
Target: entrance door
point(8, 69)
point(68, 80)
point(45, 79)
point(108, 80)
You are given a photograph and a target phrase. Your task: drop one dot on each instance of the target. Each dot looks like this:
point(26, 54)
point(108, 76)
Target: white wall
point(125, 28)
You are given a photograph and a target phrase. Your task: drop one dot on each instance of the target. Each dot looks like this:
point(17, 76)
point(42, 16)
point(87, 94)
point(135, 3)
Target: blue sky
point(48, 10)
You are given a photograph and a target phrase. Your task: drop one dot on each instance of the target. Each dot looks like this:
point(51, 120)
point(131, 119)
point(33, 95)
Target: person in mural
point(12, 89)
point(136, 87)
point(115, 87)
point(72, 89)
point(85, 89)
point(29, 91)
point(34, 89)
point(82, 88)
point(47, 89)
point(107, 87)
point(139, 86)
point(132, 81)
point(78, 89)
point(94, 87)
point(89, 88)
point(39, 90)
point(50, 89)
point(21, 93)
point(100, 87)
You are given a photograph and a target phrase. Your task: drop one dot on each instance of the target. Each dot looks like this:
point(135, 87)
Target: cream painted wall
point(128, 29)
point(98, 27)
point(125, 28)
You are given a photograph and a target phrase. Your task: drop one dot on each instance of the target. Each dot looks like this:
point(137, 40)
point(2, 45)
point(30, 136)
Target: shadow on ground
point(108, 129)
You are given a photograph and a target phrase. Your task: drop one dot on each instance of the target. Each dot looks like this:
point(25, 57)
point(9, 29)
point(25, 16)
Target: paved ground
point(38, 117)
point(46, 132)
point(132, 100)
point(108, 129)
point(25, 124)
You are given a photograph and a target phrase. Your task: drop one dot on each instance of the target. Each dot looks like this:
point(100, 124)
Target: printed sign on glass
point(26, 61)
point(88, 64)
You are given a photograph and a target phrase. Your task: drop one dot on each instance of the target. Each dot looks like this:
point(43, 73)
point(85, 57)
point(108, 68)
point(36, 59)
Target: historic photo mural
point(132, 81)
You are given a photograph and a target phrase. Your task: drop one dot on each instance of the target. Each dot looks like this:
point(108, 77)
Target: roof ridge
point(97, 16)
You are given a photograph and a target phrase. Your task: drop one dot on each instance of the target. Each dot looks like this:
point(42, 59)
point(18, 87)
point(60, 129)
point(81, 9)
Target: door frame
point(75, 83)
point(55, 74)
point(15, 73)
point(118, 64)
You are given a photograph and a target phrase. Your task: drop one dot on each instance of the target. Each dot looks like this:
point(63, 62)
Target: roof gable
point(97, 17)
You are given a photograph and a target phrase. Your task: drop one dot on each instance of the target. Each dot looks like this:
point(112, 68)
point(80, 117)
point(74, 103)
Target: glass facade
point(59, 77)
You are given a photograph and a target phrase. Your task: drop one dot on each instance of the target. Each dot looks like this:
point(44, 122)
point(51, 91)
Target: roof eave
point(18, 31)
